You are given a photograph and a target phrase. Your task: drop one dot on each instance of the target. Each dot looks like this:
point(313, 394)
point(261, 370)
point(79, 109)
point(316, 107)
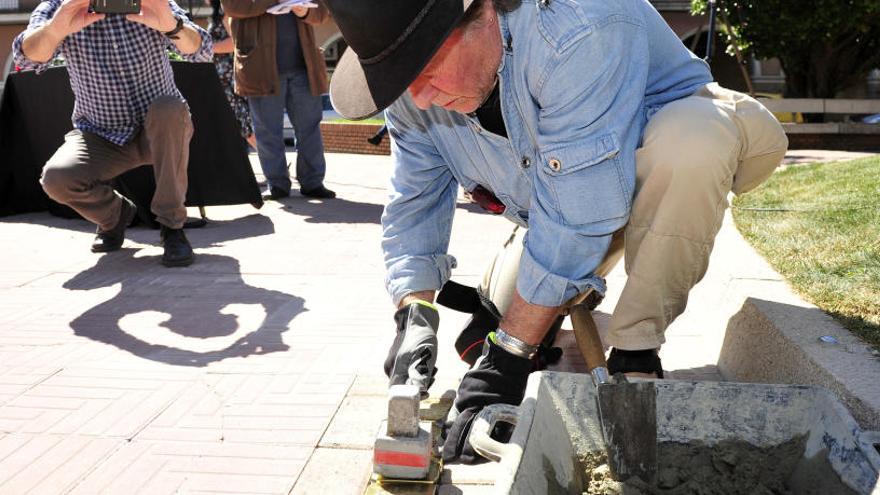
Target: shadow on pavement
point(214, 233)
point(333, 210)
point(185, 319)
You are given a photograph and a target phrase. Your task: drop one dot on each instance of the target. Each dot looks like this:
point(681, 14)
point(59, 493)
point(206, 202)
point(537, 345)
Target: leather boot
point(111, 240)
point(178, 252)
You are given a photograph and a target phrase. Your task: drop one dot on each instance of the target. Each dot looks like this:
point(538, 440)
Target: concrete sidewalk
point(259, 368)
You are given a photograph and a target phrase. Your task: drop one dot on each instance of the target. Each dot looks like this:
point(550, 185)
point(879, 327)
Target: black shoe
point(318, 192)
point(111, 240)
point(275, 193)
point(178, 252)
point(645, 361)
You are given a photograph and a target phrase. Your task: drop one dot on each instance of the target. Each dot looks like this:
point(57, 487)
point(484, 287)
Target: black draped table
point(35, 115)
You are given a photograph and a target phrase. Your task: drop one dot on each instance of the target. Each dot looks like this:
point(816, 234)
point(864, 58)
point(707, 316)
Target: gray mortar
point(727, 467)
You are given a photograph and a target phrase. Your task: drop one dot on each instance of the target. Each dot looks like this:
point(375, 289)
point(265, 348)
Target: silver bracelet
point(514, 346)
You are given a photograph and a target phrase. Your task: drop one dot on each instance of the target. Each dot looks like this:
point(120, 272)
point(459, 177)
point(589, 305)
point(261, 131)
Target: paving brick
point(470, 474)
point(463, 489)
point(50, 463)
point(116, 407)
point(173, 467)
point(337, 471)
point(355, 424)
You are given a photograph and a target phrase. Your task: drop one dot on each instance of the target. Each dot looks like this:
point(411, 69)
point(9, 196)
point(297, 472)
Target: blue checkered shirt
point(117, 69)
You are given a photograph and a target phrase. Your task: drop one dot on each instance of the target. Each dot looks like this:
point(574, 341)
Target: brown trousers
point(694, 152)
point(78, 174)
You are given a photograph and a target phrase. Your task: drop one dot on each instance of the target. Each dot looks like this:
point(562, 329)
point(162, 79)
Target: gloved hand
point(484, 319)
point(497, 377)
point(413, 354)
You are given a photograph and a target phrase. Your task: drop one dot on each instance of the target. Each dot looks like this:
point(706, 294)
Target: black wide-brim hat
point(389, 43)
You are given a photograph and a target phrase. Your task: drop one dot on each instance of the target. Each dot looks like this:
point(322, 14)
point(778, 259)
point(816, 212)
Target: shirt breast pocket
point(588, 184)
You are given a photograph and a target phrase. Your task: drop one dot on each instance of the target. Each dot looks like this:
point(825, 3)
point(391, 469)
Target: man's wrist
point(170, 24)
point(514, 345)
point(174, 32)
point(54, 31)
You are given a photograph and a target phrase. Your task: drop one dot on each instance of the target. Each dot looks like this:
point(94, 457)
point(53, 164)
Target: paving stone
point(464, 489)
point(470, 474)
point(356, 422)
point(49, 463)
point(173, 467)
point(337, 471)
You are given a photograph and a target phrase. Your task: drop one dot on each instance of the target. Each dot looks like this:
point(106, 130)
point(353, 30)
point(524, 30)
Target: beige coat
point(253, 35)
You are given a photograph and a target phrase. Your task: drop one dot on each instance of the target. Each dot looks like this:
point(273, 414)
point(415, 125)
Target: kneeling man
point(128, 111)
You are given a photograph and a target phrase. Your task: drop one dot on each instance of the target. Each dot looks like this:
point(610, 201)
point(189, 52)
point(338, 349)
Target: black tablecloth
point(35, 115)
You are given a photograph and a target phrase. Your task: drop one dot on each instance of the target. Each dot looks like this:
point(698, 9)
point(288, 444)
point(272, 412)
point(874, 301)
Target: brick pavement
point(256, 370)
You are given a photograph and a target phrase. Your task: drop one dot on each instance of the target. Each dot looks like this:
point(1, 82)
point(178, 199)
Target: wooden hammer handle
point(587, 336)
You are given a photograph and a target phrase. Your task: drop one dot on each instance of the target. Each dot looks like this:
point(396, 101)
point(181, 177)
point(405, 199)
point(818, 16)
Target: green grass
point(819, 226)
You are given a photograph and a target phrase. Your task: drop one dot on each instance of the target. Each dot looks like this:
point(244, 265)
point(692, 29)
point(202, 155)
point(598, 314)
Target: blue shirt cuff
point(417, 273)
point(538, 286)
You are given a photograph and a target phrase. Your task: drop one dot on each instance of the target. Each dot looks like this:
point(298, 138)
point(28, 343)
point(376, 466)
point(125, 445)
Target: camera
point(115, 6)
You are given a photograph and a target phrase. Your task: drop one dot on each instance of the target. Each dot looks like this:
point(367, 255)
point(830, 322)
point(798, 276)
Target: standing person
point(217, 28)
point(127, 112)
point(591, 123)
point(278, 66)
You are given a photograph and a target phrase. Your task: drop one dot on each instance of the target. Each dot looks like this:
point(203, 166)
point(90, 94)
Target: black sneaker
point(111, 240)
point(178, 252)
point(645, 361)
point(275, 193)
point(319, 192)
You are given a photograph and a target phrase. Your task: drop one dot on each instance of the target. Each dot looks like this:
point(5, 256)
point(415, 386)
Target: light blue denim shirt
point(579, 80)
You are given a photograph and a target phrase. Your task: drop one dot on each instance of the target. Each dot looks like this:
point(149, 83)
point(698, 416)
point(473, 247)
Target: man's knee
point(57, 180)
point(168, 112)
point(689, 144)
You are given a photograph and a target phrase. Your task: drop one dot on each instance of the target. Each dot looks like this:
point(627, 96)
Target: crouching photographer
point(128, 111)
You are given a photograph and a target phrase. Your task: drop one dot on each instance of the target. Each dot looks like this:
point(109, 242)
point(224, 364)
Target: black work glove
point(497, 377)
point(413, 354)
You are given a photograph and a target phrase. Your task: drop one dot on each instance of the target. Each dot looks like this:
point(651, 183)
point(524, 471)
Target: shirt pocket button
point(525, 162)
point(555, 164)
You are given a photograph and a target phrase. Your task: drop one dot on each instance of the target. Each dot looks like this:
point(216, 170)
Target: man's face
point(462, 73)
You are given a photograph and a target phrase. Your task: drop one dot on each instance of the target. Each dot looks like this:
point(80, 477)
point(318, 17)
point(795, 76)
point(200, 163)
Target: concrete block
point(403, 457)
point(403, 411)
point(775, 338)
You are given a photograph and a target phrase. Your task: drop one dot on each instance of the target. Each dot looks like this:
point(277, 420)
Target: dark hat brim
point(359, 91)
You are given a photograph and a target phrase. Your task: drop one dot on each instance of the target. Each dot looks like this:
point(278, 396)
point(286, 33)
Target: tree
point(824, 46)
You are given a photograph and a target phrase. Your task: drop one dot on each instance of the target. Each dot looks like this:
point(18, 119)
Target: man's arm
point(417, 221)
point(424, 295)
point(588, 132)
point(162, 16)
point(50, 24)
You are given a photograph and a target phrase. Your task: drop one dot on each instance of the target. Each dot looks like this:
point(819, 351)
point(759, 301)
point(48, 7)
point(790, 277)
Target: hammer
point(403, 444)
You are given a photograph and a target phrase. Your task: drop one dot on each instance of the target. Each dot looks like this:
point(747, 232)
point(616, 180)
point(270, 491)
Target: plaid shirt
point(117, 69)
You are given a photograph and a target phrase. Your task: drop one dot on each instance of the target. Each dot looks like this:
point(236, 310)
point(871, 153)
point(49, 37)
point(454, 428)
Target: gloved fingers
point(456, 447)
point(421, 370)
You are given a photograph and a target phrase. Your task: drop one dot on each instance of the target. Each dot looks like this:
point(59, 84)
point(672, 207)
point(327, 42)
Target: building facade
point(766, 76)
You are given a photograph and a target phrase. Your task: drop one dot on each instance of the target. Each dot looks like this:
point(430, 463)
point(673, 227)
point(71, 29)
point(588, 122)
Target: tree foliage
point(824, 46)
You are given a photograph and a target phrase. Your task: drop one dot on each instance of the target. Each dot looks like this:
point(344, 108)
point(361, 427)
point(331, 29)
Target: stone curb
point(776, 337)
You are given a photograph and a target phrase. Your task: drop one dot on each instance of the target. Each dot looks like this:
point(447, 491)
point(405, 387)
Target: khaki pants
point(78, 174)
point(695, 150)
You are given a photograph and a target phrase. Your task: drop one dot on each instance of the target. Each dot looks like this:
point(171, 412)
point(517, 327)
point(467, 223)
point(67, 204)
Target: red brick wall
point(352, 138)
